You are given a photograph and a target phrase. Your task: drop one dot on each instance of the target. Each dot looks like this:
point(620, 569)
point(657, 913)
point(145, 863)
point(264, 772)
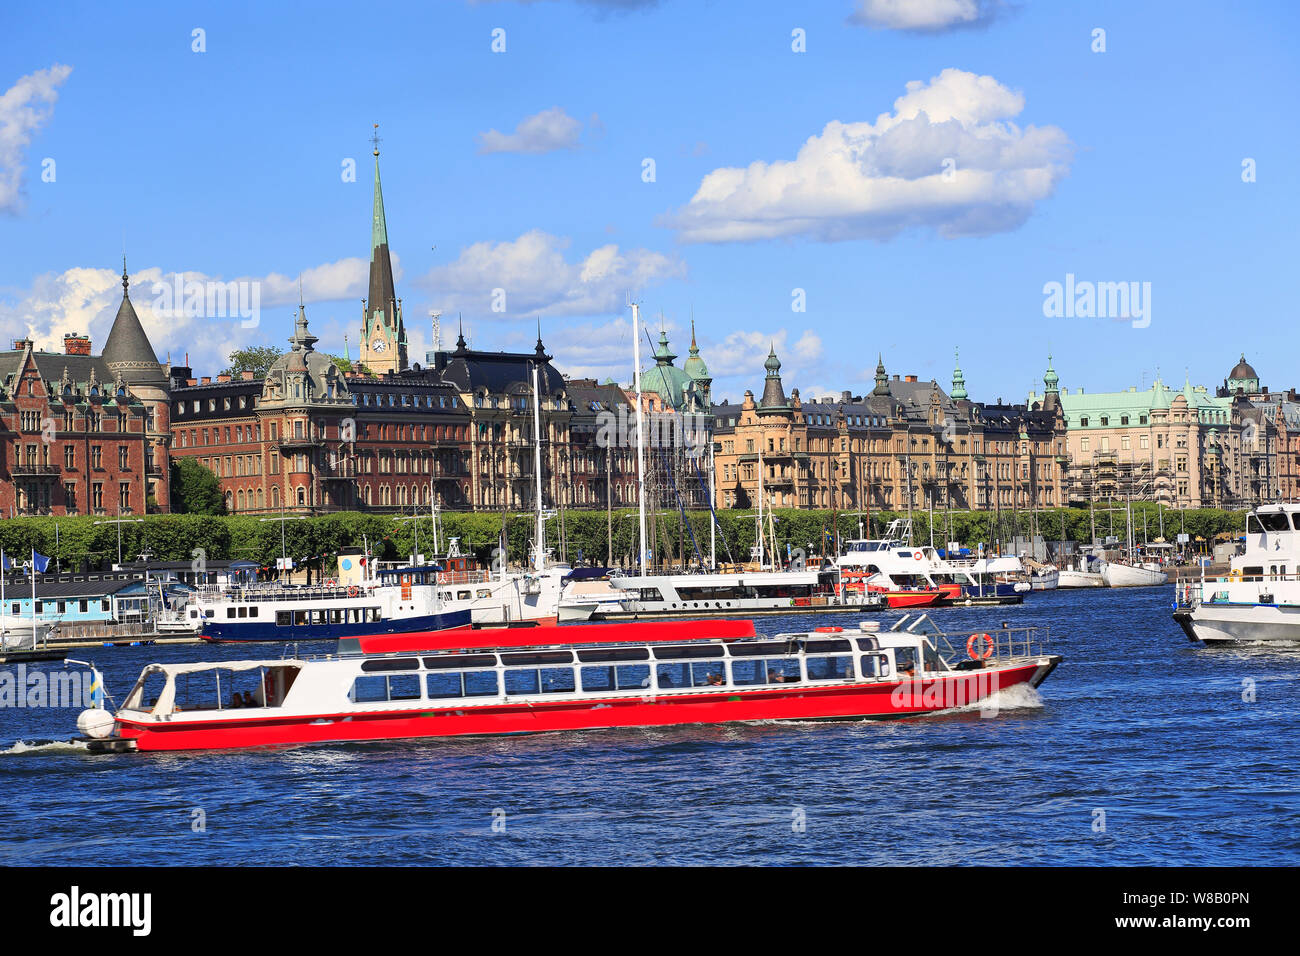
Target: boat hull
point(854, 701)
point(1245, 623)
point(1080, 579)
point(1128, 576)
point(247, 631)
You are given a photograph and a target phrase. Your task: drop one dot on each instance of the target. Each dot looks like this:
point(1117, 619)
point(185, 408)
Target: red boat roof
point(536, 634)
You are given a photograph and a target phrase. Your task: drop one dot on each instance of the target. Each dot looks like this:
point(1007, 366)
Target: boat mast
point(759, 516)
point(713, 522)
point(640, 441)
point(539, 557)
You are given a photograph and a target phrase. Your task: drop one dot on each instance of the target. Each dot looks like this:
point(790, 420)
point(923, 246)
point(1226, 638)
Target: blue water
point(1137, 722)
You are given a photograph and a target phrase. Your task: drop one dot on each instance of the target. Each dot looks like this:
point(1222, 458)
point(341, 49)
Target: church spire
point(1051, 381)
point(383, 336)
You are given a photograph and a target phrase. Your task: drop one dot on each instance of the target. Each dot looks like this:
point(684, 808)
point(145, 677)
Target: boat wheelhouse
point(1259, 598)
point(567, 678)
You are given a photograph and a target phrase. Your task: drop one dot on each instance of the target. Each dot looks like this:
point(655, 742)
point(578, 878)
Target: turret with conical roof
point(773, 392)
point(1051, 381)
point(127, 351)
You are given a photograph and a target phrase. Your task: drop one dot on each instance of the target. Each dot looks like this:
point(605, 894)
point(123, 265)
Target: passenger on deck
point(775, 677)
point(248, 700)
point(234, 700)
point(715, 680)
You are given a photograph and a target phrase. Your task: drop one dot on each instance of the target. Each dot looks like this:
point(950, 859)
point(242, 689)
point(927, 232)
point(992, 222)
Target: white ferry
point(745, 592)
point(1259, 599)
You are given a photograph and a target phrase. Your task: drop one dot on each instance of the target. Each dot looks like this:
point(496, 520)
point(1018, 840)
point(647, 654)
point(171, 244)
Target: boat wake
point(1016, 697)
point(45, 746)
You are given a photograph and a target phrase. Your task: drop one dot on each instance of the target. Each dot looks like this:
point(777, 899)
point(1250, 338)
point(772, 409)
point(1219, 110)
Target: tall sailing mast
point(640, 438)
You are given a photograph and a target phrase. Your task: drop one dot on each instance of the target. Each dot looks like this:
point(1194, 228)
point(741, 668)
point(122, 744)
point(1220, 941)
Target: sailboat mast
point(539, 558)
point(640, 440)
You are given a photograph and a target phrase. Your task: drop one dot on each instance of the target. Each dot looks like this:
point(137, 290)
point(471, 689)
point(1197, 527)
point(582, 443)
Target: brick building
point(83, 433)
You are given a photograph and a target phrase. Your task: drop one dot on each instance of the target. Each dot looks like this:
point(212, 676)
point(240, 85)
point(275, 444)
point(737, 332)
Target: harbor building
point(1181, 447)
point(908, 445)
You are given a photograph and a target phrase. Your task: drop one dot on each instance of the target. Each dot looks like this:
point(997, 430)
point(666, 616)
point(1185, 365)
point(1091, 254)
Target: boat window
point(758, 648)
point(615, 654)
point(1274, 521)
point(830, 668)
point(368, 690)
point(404, 687)
point(282, 618)
point(459, 661)
point(299, 618)
point(462, 595)
point(252, 611)
point(230, 612)
point(461, 684)
point(522, 681)
point(538, 657)
point(650, 594)
point(824, 646)
point(557, 680)
point(875, 665)
point(624, 677)
point(391, 664)
point(783, 671)
point(689, 650)
point(745, 673)
point(868, 643)
point(905, 659)
point(933, 662)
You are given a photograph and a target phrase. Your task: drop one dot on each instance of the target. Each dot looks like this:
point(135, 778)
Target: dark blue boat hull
point(245, 630)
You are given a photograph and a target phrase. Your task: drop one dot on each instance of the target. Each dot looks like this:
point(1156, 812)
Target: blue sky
point(1123, 165)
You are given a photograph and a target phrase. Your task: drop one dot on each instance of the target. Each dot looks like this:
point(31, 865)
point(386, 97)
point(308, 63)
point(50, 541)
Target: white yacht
point(1118, 574)
point(748, 592)
point(1259, 599)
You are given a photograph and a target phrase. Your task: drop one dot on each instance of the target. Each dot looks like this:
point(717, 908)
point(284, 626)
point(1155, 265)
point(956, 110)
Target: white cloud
point(24, 108)
point(542, 132)
point(947, 158)
point(923, 15)
point(86, 300)
point(537, 279)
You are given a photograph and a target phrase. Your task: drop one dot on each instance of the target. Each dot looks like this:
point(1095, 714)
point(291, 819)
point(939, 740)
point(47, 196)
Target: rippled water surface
point(1137, 723)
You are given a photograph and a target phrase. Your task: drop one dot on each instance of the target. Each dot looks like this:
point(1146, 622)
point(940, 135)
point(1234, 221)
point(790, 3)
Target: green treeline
point(78, 539)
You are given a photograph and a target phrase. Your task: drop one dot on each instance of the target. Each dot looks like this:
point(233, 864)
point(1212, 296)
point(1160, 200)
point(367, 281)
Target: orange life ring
point(971, 645)
point(916, 555)
point(353, 591)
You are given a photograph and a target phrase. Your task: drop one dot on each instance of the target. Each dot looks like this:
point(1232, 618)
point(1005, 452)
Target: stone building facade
point(906, 445)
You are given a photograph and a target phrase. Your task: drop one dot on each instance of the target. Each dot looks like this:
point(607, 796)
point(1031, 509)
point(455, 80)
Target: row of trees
point(586, 534)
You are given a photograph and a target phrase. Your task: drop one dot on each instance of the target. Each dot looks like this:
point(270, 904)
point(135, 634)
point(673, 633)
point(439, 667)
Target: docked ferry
point(539, 679)
point(1259, 598)
point(732, 593)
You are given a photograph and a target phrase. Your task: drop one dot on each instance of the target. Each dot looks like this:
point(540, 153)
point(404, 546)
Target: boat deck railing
point(1008, 642)
point(250, 594)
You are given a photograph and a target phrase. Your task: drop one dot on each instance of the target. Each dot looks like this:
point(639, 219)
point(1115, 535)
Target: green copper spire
point(378, 227)
point(882, 378)
point(958, 381)
point(1051, 381)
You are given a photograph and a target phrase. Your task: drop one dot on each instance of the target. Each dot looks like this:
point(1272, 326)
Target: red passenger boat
point(530, 680)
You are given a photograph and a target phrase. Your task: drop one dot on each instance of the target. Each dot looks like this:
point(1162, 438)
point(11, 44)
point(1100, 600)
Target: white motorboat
point(1086, 573)
point(1259, 599)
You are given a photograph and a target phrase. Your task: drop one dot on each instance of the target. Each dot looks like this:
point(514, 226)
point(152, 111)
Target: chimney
point(206, 380)
point(896, 378)
point(247, 375)
point(74, 343)
point(191, 381)
point(22, 344)
point(911, 378)
point(846, 396)
point(223, 378)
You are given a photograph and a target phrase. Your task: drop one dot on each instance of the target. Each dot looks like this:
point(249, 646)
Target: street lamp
point(282, 518)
